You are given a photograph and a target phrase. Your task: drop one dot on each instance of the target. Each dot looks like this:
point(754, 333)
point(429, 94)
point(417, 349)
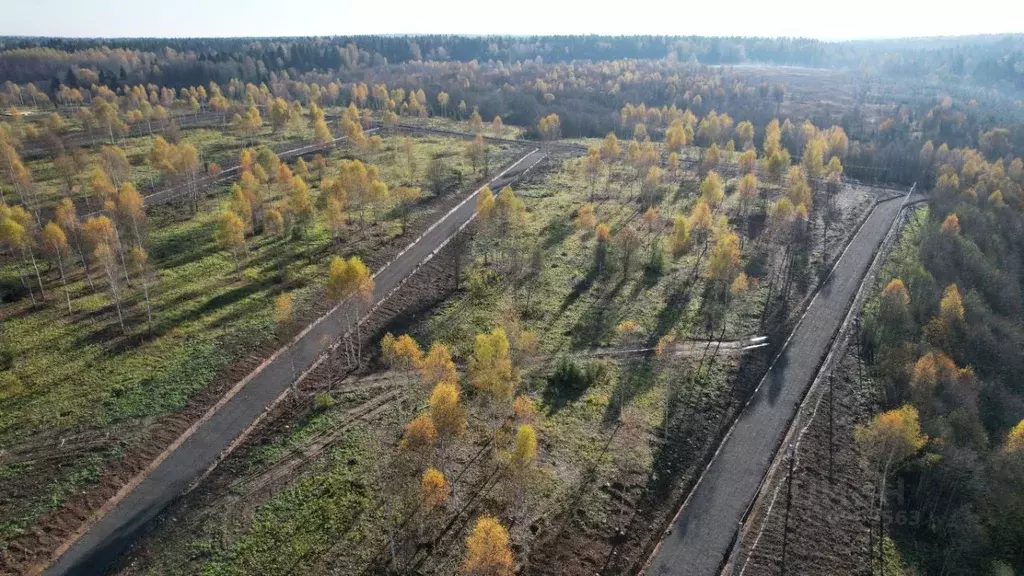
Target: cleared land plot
point(79, 396)
point(592, 481)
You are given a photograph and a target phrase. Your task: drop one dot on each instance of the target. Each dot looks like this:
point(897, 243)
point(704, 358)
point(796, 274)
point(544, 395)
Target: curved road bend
point(703, 530)
point(107, 539)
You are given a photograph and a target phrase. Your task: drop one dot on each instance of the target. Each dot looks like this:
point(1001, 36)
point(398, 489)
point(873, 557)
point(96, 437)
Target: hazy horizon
point(512, 35)
point(873, 20)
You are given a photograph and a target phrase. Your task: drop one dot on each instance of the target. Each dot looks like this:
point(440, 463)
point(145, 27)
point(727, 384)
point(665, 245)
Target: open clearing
point(102, 405)
point(305, 461)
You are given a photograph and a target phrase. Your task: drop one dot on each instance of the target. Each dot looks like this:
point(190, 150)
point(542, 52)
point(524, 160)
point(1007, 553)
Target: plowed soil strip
point(706, 525)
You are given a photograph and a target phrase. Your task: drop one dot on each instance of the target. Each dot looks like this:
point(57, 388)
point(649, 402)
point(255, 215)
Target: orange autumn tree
point(437, 366)
point(523, 410)
point(586, 219)
point(951, 225)
point(936, 376)
point(522, 462)
point(401, 353)
point(434, 489)
point(15, 236)
point(888, 440)
point(610, 151)
point(524, 453)
point(550, 127)
point(604, 236)
point(131, 211)
point(231, 236)
point(488, 552)
point(592, 167)
point(679, 240)
point(283, 311)
point(725, 258)
point(893, 310)
point(951, 307)
point(419, 439)
point(895, 292)
point(138, 262)
point(485, 206)
point(712, 190)
point(55, 245)
point(941, 331)
point(747, 190)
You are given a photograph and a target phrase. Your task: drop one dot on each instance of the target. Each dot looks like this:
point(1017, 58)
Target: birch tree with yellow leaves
point(351, 279)
point(55, 245)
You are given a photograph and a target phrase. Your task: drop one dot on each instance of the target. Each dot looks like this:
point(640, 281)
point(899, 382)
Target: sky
point(805, 18)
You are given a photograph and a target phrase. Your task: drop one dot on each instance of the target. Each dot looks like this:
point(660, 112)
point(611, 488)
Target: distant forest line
point(993, 61)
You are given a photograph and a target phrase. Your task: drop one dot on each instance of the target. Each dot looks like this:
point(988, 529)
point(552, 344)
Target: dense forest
point(890, 97)
point(994, 62)
point(945, 338)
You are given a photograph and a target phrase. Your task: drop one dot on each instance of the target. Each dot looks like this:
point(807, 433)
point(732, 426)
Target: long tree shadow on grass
point(232, 296)
point(109, 334)
point(582, 286)
point(183, 246)
point(649, 277)
point(243, 310)
point(290, 259)
point(11, 291)
point(696, 423)
point(598, 319)
point(687, 190)
point(636, 376)
point(675, 307)
point(699, 420)
point(672, 458)
point(557, 230)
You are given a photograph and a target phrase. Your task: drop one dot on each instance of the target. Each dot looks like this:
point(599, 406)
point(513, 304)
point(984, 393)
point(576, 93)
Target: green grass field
point(578, 427)
point(329, 517)
point(215, 145)
point(75, 372)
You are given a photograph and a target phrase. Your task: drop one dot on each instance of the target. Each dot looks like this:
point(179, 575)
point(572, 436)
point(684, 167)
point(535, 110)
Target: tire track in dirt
point(112, 529)
point(426, 289)
point(142, 440)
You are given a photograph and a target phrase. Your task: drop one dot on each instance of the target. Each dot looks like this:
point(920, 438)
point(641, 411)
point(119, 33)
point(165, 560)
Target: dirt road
point(702, 532)
point(192, 454)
